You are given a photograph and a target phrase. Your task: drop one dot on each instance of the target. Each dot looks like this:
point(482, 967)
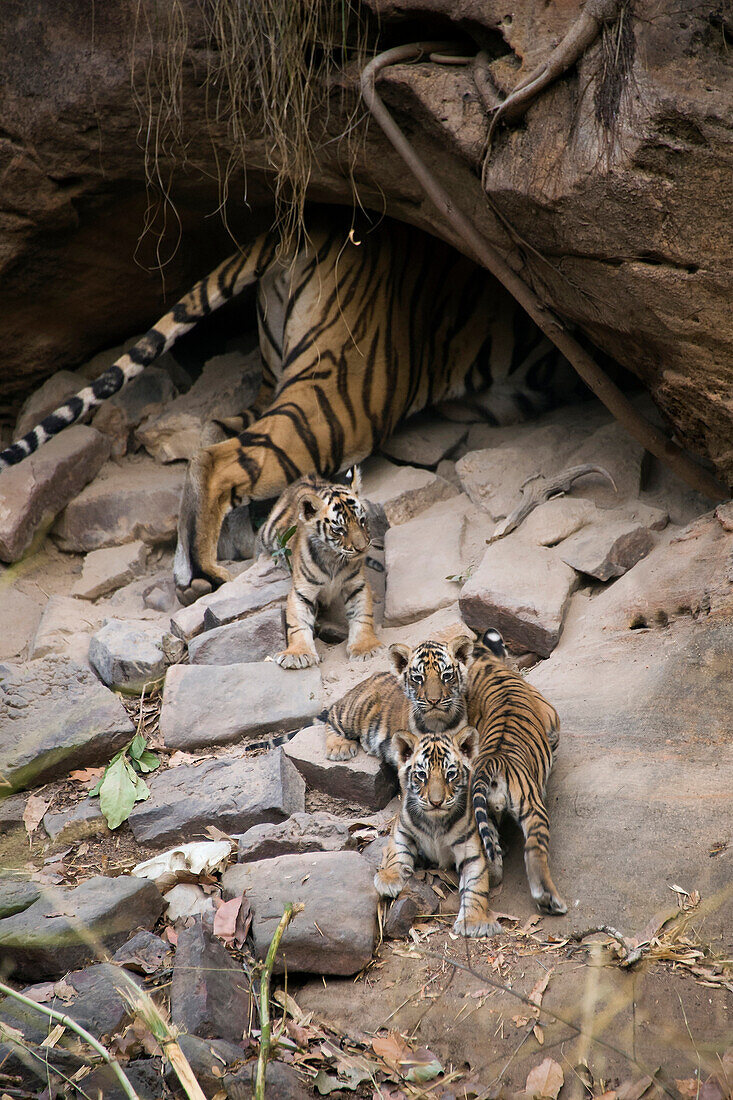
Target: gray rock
point(21, 615)
point(375, 850)
point(105, 570)
point(420, 556)
point(608, 550)
point(12, 807)
point(210, 994)
point(425, 440)
point(99, 1007)
point(54, 392)
point(136, 500)
point(216, 704)
point(416, 899)
point(260, 635)
point(54, 716)
point(34, 492)
point(613, 448)
point(145, 396)
point(328, 937)
point(317, 832)
point(161, 596)
point(143, 1074)
point(228, 385)
point(64, 628)
point(258, 587)
point(234, 793)
point(521, 589)
point(208, 1059)
point(66, 927)
point(363, 779)
point(16, 894)
point(128, 656)
point(81, 821)
point(144, 953)
point(557, 519)
point(402, 491)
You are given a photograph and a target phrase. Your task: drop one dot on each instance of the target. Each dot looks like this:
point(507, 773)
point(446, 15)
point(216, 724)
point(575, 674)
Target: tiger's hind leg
point(357, 594)
point(398, 862)
point(474, 916)
point(534, 825)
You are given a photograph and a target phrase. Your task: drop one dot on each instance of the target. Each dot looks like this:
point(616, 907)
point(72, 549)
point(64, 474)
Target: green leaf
point(326, 1084)
point(425, 1071)
point(137, 746)
point(118, 792)
point(142, 790)
point(285, 538)
point(94, 793)
point(147, 762)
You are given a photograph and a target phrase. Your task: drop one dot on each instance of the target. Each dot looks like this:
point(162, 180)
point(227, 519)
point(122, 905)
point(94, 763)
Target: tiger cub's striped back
point(518, 737)
point(322, 529)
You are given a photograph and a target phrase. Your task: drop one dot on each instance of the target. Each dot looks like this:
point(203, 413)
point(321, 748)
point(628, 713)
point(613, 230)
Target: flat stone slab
point(210, 994)
point(425, 440)
point(607, 550)
point(128, 656)
point(216, 704)
point(16, 894)
point(328, 937)
point(363, 779)
point(258, 587)
point(234, 793)
point(54, 392)
point(21, 616)
point(259, 635)
point(64, 628)
point(54, 716)
point(34, 492)
point(66, 927)
point(148, 395)
point(83, 820)
point(420, 556)
point(317, 832)
point(136, 501)
point(104, 571)
point(402, 491)
point(523, 591)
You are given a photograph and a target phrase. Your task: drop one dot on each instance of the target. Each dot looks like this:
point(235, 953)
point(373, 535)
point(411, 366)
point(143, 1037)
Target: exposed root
point(631, 952)
point(544, 489)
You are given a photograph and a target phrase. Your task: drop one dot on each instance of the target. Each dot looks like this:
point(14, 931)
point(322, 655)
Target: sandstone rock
point(55, 716)
point(161, 595)
point(317, 832)
point(724, 515)
point(144, 953)
point(426, 550)
point(215, 704)
point(21, 615)
point(557, 520)
point(416, 899)
point(65, 927)
point(210, 994)
point(54, 392)
point(128, 656)
point(260, 635)
point(64, 628)
point(105, 570)
point(233, 792)
point(363, 779)
point(607, 550)
point(425, 440)
point(402, 491)
point(263, 584)
point(134, 501)
point(227, 387)
point(328, 937)
point(17, 894)
point(142, 398)
point(613, 448)
point(81, 821)
point(34, 492)
point(521, 589)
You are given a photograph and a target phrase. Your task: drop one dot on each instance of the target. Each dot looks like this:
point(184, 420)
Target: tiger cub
point(436, 822)
point(327, 558)
point(519, 733)
point(427, 695)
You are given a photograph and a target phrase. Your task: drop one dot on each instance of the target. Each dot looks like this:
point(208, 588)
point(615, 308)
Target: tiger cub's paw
point(388, 882)
point(466, 926)
point(296, 658)
point(340, 748)
point(365, 647)
point(550, 903)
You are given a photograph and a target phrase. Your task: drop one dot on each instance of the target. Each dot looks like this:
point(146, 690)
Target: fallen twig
point(596, 379)
point(544, 489)
point(72, 1025)
point(632, 952)
point(288, 914)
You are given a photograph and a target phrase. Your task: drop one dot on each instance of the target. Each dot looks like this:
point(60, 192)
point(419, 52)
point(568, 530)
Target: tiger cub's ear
point(405, 744)
point(310, 506)
point(462, 648)
point(353, 479)
point(399, 655)
point(466, 742)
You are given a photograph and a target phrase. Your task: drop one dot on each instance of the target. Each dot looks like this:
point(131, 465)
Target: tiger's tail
point(219, 286)
point(487, 829)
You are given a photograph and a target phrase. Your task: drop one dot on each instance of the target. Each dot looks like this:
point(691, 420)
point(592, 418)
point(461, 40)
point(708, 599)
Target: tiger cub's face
point(435, 769)
point(336, 516)
point(433, 678)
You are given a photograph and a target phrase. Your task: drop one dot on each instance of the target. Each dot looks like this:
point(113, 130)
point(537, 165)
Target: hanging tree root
point(544, 489)
point(596, 379)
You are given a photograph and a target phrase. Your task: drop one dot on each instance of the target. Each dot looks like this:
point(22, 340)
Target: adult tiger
point(518, 738)
point(357, 331)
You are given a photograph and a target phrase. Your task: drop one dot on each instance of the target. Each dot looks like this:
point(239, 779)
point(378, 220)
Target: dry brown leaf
point(607, 1095)
point(171, 935)
point(146, 1038)
point(537, 991)
point(87, 775)
point(225, 920)
point(65, 991)
point(520, 1021)
point(391, 1049)
point(34, 810)
point(217, 834)
point(538, 1034)
point(545, 1080)
point(42, 993)
point(633, 1090)
point(181, 757)
point(689, 1087)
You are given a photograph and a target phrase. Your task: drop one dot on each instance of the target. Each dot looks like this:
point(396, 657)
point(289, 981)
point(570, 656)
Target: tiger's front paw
point(297, 658)
point(466, 926)
point(202, 585)
point(388, 882)
point(340, 748)
point(364, 647)
point(550, 903)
